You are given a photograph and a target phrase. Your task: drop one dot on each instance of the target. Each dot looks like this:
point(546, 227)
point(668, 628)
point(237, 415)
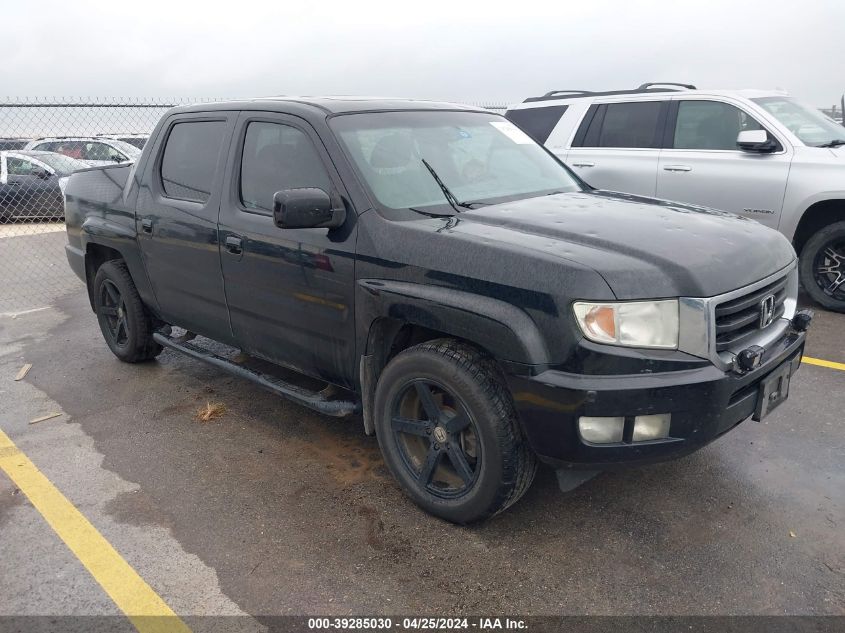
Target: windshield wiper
point(450, 197)
point(834, 143)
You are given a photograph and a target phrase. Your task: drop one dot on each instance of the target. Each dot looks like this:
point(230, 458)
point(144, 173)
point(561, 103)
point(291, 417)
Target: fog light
point(601, 430)
point(651, 427)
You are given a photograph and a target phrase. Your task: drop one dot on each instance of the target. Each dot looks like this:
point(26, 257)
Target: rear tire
point(124, 322)
point(822, 267)
point(449, 433)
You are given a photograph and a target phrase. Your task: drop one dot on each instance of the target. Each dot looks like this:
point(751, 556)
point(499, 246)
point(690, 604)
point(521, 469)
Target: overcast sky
point(470, 51)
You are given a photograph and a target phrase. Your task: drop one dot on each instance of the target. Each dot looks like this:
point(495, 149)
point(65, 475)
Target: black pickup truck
point(430, 269)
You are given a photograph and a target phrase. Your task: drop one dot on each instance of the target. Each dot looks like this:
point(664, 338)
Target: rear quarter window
point(537, 123)
point(189, 161)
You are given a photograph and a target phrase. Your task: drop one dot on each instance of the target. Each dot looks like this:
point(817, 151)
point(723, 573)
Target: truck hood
point(642, 247)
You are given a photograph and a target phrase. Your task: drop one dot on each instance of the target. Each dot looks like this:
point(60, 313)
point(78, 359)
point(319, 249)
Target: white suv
point(94, 151)
point(761, 154)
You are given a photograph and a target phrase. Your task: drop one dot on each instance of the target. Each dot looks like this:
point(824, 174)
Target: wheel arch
point(397, 315)
point(815, 217)
point(95, 256)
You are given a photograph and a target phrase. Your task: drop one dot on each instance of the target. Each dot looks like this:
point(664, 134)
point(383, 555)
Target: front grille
point(739, 318)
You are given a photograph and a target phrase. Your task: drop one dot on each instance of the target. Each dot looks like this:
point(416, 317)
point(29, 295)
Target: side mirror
point(306, 208)
point(756, 141)
point(43, 174)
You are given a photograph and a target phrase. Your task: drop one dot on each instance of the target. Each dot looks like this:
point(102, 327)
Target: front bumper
point(705, 403)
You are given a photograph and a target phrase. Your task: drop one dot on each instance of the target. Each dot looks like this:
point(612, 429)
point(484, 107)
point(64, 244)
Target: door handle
point(677, 168)
point(584, 164)
point(147, 225)
point(234, 244)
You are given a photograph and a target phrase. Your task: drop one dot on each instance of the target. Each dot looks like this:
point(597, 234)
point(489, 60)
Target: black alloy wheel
point(113, 308)
point(829, 269)
point(437, 438)
point(126, 326)
point(449, 432)
point(822, 266)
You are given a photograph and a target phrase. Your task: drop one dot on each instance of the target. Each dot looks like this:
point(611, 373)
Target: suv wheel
point(822, 266)
point(121, 314)
point(449, 433)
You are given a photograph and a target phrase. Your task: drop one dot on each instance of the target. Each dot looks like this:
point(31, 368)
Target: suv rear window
point(537, 123)
point(633, 124)
point(190, 159)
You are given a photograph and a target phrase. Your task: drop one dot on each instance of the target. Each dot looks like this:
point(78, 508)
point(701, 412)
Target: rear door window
point(537, 123)
point(190, 157)
point(630, 125)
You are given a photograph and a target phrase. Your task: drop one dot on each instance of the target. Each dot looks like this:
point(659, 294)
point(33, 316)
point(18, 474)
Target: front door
point(703, 165)
point(290, 291)
point(176, 219)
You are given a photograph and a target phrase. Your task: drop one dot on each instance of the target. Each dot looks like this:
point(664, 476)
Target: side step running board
point(311, 399)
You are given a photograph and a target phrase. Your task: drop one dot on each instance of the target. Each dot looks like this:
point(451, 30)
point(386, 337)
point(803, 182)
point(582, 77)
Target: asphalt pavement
point(272, 509)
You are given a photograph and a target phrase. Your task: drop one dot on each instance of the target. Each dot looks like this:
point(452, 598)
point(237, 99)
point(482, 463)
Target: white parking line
point(15, 315)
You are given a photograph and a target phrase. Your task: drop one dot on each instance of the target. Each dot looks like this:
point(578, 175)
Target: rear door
point(701, 163)
point(290, 291)
point(176, 218)
point(617, 145)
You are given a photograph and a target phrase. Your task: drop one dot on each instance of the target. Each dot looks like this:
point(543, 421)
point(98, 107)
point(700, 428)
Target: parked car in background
point(94, 151)
point(32, 184)
point(433, 268)
point(138, 140)
point(13, 143)
point(761, 154)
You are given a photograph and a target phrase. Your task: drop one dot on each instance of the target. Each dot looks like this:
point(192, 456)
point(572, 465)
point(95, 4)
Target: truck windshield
point(480, 159)
point(804, 121)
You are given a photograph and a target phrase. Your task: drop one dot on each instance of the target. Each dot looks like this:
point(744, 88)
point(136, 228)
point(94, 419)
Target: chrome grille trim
point(697, 335)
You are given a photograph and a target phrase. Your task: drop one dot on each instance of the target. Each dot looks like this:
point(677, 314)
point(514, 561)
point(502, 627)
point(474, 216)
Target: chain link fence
point(42, 141)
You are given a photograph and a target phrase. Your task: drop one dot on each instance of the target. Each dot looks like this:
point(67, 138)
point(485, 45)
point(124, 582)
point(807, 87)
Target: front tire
point(449, 433)
point(822, 267)
point(123, 320)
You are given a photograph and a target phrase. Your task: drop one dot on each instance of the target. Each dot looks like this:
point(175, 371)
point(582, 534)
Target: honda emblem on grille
point(767, 311)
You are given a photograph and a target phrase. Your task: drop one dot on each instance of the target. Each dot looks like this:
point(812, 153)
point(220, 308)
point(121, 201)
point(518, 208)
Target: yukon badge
point(767, 311)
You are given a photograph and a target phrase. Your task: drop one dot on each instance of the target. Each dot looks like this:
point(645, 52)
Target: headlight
point(630, 323)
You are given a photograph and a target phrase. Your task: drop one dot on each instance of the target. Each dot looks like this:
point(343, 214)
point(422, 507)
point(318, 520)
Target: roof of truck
point(332, 104)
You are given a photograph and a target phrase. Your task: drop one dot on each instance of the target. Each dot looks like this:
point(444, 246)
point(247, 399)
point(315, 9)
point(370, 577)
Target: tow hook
point(752, 357)
point(802, 319)
point(748, 359)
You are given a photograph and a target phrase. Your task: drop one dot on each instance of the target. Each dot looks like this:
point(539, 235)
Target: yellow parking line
point(823, 363)
point(145, 609)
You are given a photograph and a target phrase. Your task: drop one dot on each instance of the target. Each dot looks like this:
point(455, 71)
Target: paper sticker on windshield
point(512, 132)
